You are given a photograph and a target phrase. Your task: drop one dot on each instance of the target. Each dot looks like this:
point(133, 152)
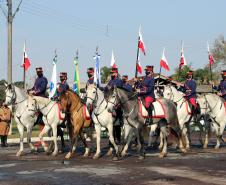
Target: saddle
point(86, 113)
point(157, 112)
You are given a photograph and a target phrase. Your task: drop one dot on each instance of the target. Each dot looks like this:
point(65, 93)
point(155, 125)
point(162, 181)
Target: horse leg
point(152, 134)
point(111, 138)
point(44, 131)
point(127, 139)
point(29, 132)
point(219, 133)
point(87, 149)
point(141, 139)
point(20, 128)
point(54, 138)
point(163, 130)
point(185, 136)
point(98, 133)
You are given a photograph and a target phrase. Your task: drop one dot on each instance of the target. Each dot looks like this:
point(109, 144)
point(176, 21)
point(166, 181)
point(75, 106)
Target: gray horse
point(131, 107)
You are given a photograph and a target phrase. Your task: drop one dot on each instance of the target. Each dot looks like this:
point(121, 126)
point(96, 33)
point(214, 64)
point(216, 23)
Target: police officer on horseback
point(222, 86)
point(40, 86)
point(90, 73)
point(190, 94)
point(116, 82)
point(146, 89)
point(62, 86)
point(125, 84)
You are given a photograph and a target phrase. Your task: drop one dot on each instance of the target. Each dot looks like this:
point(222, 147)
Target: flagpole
point(160, 71)
point(24, 73)
point(182, 50)
point(138, 52)
point(211, 73)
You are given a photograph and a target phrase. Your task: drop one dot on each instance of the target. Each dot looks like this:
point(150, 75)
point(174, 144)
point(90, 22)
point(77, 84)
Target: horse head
point(91, 94)
point(112, 98)
point(10, 94)
point(65, 101)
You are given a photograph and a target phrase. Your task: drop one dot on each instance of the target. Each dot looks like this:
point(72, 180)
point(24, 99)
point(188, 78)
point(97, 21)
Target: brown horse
point(71, 103)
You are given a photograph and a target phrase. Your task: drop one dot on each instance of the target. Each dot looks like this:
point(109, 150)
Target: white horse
point(51, 117)
point(100, 116)
point(213, 105)
point(24, 118)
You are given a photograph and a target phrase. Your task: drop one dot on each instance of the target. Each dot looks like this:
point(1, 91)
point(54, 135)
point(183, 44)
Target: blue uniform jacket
point(127, 86)
point(62, 87)
point(222, 88)
point(40, 86)
point(190, 89)
point(115, 82)
point(147, 87)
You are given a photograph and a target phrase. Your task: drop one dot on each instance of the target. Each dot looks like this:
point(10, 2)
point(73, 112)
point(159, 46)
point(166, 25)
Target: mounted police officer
point(222, 86)
point(116, 81)
point(125, 84)
point(90, 73)
point(40, 86)
point(62, 86)
point(190, 93)
point(146, 89)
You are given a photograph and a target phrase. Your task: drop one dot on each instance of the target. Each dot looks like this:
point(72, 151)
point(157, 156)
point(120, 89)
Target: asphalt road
point(198, 166)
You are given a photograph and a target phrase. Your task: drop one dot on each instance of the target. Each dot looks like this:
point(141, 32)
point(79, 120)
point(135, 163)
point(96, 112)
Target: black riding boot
point(2, 141)
point(5, 141)
point(149, 120)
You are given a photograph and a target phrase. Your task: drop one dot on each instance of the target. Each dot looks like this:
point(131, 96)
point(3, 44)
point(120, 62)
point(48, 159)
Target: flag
point(141, 42)
point(163, 62)
point(53, 82)
point(76, 84)
point(139, 67)
point(182, 58)
point(113, 64)
point(26, 62)
point(97, 78)
point(211, 59)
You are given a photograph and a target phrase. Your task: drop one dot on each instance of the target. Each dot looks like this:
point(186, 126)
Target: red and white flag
point(163, 62)
point(211, 59)
point(182, 58)
point(139, 67)
point(113, 63)
point(141, 42)
point(26, 62)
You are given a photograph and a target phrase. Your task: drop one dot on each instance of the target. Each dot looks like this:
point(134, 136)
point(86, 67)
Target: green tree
point(2, 90)
point(180, 75)
point(219, 53)
point(105, 74)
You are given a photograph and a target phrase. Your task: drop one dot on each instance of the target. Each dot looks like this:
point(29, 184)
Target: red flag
point(113, 63)
point(26, 62)
point(163, 62)
point(182, 58)
point(139, 68)
point(141, 43)
point(211, 59)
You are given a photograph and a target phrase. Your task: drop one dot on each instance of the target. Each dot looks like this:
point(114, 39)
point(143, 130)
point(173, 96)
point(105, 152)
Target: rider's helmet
point(190, 74)
point(90, 72)
point(63, 76)
point(149, 69)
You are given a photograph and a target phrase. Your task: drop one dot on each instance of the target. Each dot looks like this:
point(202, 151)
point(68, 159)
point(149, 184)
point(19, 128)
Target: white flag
point(53, 82)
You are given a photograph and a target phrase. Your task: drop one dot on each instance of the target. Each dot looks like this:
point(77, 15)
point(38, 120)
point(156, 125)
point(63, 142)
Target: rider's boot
point(149, 120)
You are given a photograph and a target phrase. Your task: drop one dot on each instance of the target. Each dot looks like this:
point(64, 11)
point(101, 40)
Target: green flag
point(76, 85)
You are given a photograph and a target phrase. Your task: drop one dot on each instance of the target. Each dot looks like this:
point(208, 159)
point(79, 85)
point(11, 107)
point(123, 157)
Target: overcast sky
point(47, 25)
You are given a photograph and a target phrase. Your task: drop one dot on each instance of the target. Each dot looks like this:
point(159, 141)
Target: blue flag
point(97, 77)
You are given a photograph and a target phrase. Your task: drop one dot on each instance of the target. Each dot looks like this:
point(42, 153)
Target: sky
point(47, 25)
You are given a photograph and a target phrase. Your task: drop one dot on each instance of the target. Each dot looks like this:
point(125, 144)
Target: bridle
point(208, 105)
point(13, 97)
point(172, 95)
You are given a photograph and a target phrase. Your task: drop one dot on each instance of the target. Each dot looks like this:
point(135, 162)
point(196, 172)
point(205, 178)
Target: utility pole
point(10, 16)
point(10, 29)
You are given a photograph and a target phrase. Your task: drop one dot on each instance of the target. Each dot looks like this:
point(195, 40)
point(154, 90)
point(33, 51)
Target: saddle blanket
point(158, 110)
point(86, 114)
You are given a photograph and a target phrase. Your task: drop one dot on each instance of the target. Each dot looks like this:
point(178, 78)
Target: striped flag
point(97, 77)
point(182, 58)
point(163, 62)
point(26, 62)
point(210, 56)
point(76, 84)
point(53, 82)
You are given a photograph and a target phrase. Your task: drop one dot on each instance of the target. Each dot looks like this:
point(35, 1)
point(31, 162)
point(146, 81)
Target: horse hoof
point(162, 155)
point(187, 148)
point(216, 147)
point(124, 154)
point(204, 146)
point(109, 153)
point(141, 157)
point(68, 156)
point(54, 154)
point(96, 156)
point(183, 150)
point(19, 153)
point(115, 158)
point(160, 147)
point(87, 152)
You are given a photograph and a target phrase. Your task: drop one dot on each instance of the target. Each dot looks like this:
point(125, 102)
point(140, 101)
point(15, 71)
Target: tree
point(105, 74)
point(2, 90)
point(180, 75)
point(219, 53)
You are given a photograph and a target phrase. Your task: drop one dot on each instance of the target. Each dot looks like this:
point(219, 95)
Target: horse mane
point(42, 100)
point(129, 93)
